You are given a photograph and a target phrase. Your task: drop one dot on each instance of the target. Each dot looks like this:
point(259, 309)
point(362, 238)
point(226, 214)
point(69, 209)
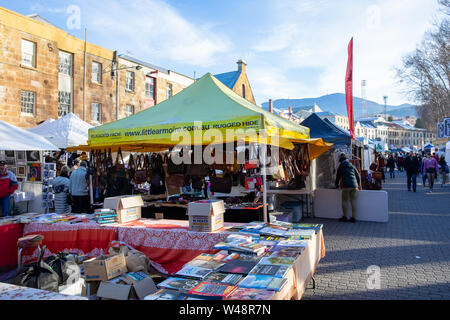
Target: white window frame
point(129, 110)
point(28, 58)
point(97, 72)
point(129, 84)
point(169, 90)
point(64, 103)
point(150, 83)
point(27, 99)
point(65, 64)
point(97, 116)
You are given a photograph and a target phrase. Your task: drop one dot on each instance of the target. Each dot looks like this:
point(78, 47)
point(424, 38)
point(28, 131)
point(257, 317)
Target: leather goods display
point(141, 174)
point(221, 185)
point(173, 168)
point(176, 180)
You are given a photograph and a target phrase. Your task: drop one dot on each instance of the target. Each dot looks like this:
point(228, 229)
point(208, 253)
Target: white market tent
point(65, 132)
point(18, 139)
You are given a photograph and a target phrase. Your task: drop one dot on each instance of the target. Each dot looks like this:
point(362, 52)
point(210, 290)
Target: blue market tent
point(326, 130)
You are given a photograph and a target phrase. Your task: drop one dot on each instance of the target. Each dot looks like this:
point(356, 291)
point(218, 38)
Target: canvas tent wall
point(18, 139)
point(67, 131)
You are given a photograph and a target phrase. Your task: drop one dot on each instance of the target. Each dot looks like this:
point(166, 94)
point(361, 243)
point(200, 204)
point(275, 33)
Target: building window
point(150, 87)
point(130, 81)
point(129, 110)
point(29, 53)
point(65, 63)
point(243, 91)
point(96, 112)
point(96, 72)
point(64, 103)
point(27, 102)
point(169, 90)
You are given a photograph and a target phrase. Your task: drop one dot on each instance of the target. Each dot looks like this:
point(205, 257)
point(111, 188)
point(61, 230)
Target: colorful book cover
point(278, 271)
point(221, 245)
point(221, 277)
point(211, 265)
point(293, 243)
point(204, 256)
point(285, 254)
point(181, 284)
point(283, 224)
point(193, 271)
point(272, 231)
point(212, 289)
point(257, 281)
point(278, 261)
point(221, 255)
point(237, 266)
point(250, 294)
point(165, 294)
point(315, 226)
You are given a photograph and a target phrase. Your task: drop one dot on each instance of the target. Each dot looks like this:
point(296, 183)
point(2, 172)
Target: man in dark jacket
point(412, 165)
point(351, 182)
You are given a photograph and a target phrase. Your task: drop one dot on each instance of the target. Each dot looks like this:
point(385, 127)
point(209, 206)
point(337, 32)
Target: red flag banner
point(349, 90)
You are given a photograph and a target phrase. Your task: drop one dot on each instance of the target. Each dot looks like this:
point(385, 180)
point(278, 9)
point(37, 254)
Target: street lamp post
point(115, 72)
point(385, 107)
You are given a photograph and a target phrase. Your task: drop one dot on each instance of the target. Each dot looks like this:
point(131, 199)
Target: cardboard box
point(128, 208)
point(104, 268)
point(206, 216)
point(125, 288)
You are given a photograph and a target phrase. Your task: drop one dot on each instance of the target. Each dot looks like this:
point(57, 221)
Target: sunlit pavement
point(411, 253)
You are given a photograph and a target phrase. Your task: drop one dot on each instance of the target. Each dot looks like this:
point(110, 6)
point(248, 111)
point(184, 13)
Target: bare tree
point(426, 72)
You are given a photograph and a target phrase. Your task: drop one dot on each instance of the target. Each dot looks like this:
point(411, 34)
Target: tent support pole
point(264, 179)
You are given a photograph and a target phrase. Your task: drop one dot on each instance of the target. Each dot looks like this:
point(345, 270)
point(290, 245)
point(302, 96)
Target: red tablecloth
point(169, 245)
point(82, 238)
point(9, 234)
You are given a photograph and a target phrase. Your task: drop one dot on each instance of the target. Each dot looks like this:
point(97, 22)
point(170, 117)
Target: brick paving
point(412, 250)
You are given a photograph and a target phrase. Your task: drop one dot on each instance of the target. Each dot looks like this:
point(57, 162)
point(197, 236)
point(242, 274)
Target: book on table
point(212, 289)
point(193, 272)
point(204, 256)
point(221, 255)
point(286, 261)
point(249, 248)
point(165, 294)
point(176, 283)
point(270, 231)
point(286, 253)
point(211, 265)
point(282, 224)
point(257, 281)
point(237, 266)
point(224, 278)
point(250, 294)
point(293, 243)
point(278, 271)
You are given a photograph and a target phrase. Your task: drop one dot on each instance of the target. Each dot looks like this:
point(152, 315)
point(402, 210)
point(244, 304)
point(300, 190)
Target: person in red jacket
point(8, 184)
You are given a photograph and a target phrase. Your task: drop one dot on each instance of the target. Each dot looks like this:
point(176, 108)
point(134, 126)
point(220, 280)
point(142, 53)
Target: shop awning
point(198, 115)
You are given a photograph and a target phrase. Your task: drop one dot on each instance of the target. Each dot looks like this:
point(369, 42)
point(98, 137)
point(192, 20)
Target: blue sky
point(294, 48)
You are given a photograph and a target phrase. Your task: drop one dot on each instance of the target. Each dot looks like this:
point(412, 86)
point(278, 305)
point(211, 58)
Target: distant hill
point(336, 103)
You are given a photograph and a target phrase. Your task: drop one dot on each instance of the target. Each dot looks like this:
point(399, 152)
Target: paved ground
point(412, 250)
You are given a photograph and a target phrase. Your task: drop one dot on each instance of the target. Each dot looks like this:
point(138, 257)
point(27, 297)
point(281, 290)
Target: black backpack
point(39, 275)
point(67, 270)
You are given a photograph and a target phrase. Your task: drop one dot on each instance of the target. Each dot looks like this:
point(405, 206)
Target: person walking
point(78, 189)
point(381, 163)
point(431, 168)
point(350, 181)
point(444, 170)
point(422, 171)
point(412, 165)
point(391, 166)
point(400, 162)
point(61, 189)
point(8, 184)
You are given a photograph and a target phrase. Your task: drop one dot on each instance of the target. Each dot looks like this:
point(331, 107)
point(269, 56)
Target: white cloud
point(154, 30)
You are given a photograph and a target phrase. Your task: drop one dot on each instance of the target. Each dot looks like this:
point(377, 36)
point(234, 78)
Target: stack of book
point(105, 216)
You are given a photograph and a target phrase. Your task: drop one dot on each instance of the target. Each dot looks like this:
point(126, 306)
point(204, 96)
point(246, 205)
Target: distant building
point(47, 73)
point(238, 81)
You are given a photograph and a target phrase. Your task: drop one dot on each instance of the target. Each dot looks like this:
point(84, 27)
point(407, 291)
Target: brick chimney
point(270, 106)
point(241, 65)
